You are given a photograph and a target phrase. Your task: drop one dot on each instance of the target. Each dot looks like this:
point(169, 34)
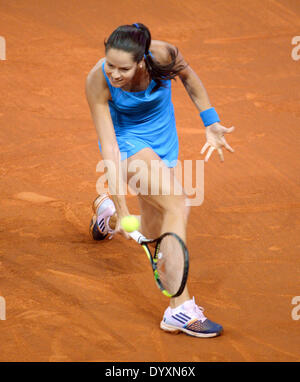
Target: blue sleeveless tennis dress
point(144, 119)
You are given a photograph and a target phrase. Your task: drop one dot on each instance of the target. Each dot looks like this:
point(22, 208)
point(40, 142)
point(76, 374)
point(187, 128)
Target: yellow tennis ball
point(130, 223)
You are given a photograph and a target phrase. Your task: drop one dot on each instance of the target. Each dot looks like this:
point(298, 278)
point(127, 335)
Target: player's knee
point(177, 206)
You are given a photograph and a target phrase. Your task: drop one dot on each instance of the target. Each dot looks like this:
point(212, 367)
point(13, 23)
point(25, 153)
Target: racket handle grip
point(137, 236)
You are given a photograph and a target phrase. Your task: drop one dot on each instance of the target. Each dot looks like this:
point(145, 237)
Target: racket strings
point(170, 263)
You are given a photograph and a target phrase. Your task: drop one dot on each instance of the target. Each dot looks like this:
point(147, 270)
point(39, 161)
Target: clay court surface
point(71, 299)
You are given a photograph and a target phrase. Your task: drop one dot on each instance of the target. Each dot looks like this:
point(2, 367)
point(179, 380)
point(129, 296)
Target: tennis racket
point(169, 261)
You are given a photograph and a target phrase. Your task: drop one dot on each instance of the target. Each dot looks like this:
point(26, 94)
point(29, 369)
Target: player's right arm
point(98, 95)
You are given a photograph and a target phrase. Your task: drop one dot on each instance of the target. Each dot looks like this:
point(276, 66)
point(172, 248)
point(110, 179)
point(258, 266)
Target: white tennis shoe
point(189, 318)
point(103, 208)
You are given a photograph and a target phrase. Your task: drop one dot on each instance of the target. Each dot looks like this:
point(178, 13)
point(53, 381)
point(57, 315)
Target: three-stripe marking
point(101, 225)
point(181, 317)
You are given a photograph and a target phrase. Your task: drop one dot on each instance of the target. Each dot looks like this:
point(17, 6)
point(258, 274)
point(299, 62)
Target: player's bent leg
point(173, 216)
point(151, 218)
point(169, 212)
point(165, 210)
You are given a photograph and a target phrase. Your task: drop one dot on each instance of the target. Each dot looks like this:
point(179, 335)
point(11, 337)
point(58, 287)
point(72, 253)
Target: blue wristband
point(209, 116)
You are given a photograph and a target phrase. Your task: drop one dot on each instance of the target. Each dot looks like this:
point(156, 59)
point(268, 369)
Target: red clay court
point(71, 299)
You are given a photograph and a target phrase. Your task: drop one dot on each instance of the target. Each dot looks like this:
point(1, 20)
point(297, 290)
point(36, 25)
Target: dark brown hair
point(136, 39)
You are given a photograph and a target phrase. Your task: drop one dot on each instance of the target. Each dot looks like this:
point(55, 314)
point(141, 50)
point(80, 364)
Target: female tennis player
point(129, 95)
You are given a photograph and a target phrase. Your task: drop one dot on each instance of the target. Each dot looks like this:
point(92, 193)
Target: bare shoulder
point(96, 85)
point(162, 51)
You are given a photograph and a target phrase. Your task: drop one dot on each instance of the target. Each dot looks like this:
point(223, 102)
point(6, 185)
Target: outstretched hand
point(215, 140)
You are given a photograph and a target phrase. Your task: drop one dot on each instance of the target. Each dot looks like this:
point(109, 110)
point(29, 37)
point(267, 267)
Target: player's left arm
point(194, 86)
point(215, 139)
point(165, 53)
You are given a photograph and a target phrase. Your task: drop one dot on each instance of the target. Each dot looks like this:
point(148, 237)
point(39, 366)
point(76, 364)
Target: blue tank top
point(144, 119)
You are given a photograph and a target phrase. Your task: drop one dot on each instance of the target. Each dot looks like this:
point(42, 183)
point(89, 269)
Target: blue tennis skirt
point(129, 146)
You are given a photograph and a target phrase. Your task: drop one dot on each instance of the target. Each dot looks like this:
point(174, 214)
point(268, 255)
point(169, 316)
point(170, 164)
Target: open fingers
point(226, 145)
point(210, 151)
point(204, 148)
point(220, 152)
point(228, 130)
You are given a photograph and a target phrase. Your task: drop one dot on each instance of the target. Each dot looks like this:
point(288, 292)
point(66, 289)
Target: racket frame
point(143, 241)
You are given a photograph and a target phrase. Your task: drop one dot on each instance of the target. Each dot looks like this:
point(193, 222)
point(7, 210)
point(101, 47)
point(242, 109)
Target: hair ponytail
point(136, 39)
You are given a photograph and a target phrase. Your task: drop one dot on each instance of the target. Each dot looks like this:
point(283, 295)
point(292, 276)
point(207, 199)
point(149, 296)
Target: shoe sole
point(176, 330)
